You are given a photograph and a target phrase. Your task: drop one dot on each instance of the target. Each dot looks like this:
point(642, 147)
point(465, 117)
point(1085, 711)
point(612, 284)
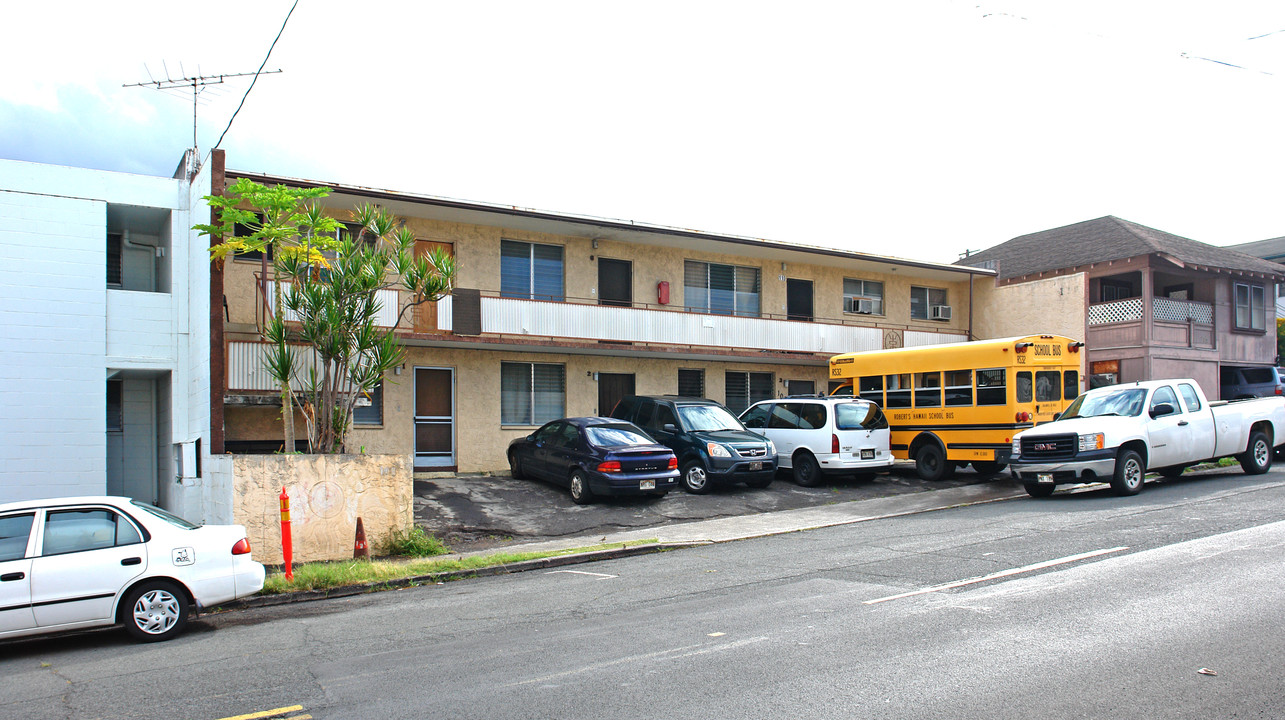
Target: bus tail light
point(1022, 417)
point(834, 443)
point(1021, 347)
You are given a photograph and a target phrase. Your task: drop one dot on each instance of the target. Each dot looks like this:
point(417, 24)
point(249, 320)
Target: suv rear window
point(1258, 375)
point(859, 416)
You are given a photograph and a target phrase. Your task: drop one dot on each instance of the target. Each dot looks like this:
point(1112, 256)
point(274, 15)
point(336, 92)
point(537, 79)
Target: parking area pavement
point(476, 512)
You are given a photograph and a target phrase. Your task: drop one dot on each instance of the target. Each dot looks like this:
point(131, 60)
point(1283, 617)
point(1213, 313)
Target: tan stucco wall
point(327, 495)
point(1052, 306)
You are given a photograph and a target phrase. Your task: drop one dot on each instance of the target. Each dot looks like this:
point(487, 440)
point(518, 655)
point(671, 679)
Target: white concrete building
point(104, 337)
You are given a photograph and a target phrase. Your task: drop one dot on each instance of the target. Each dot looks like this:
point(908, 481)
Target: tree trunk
point(287, 402)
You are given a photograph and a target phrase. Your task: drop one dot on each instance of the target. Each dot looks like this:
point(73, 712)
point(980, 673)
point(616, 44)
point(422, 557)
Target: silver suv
point(817, 436)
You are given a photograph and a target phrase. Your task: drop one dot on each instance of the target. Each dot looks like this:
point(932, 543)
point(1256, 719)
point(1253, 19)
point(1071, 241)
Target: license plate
point(1044, 477)
point(757, 465)
point(868, 454)
point(646, 484)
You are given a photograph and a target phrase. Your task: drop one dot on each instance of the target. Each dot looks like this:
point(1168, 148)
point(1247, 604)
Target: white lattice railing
point(1117, 311)
point(1182, 310)
point(388, 307)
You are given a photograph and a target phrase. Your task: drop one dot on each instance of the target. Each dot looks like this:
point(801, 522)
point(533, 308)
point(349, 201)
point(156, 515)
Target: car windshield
point(707, 418)
point(1125, 401)
point(168, 517)
point(859, 416)
point(613, 435)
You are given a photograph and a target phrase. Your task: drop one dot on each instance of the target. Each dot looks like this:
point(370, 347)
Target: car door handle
point(9, 577)
point(1181, 423)
point(131, 561)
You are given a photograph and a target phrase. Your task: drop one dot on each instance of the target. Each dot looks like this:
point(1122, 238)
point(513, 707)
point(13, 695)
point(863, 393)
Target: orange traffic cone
point(360, 548)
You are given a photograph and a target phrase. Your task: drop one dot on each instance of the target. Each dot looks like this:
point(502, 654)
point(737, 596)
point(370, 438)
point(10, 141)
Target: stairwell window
point(923, 299)
point(532, 393)
point(531, 271)
point(721, 289)
point(369, 409)
point(1251, 307)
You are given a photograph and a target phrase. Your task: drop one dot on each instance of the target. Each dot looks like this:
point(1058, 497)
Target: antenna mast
point(197, 83)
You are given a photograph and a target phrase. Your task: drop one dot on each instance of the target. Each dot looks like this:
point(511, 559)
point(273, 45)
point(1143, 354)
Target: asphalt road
point(473, 512)
point(1097, 606)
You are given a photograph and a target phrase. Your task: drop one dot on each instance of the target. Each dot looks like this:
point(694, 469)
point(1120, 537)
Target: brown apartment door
point(426, 314)
point(611, 388)
point(798, 299)
point(434, 417)
point(615, 282)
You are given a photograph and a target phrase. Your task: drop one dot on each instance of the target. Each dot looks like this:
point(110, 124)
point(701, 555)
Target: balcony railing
point(1162, 310)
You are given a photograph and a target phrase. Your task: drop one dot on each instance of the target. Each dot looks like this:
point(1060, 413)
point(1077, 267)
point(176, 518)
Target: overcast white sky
point(909, 128)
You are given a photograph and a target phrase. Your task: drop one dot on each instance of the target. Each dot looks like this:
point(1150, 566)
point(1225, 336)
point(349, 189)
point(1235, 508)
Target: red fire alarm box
point(662, 292)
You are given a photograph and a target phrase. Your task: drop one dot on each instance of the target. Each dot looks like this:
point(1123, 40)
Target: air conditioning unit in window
point(865, 306)
point(939, 312)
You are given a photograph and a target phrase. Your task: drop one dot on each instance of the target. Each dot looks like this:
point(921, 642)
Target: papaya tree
point(325, 346)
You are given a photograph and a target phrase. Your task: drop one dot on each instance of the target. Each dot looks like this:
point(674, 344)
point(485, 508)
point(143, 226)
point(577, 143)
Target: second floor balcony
point(1174, 323)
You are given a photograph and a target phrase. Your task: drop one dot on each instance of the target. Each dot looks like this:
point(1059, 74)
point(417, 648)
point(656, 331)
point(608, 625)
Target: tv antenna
point(198, 83)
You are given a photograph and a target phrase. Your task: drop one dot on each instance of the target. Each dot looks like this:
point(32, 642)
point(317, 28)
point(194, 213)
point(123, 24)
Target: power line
point(256, 75)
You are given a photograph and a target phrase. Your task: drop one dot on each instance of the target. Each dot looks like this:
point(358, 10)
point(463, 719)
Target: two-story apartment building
point(1149, 304)
point(561, 315)
point(104, 337)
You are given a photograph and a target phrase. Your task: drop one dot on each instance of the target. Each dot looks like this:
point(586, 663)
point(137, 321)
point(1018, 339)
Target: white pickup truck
point(1118, 433)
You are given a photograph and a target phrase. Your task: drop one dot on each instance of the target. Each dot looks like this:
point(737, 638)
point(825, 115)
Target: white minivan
point(817, 435)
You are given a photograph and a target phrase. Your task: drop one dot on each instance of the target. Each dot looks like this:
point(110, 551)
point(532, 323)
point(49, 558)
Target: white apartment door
point(434, 418)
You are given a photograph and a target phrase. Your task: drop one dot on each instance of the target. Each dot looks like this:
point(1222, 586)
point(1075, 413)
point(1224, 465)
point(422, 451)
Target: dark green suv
point(712, 446)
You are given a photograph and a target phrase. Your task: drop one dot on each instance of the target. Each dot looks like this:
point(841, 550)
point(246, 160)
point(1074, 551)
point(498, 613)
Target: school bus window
point(898, 391)
point(1048, 387)
point(928, 389)
point(959, 387)
point(1070, 385)
point(991, 389)
point(1023, 384)
point(872, 388)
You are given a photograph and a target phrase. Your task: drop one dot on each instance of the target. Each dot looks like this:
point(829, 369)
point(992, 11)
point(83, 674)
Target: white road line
point(1001, 574)
point(581, 572)
point(661, 655)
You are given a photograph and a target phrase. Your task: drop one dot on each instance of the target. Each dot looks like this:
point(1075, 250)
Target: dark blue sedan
point(595, 456)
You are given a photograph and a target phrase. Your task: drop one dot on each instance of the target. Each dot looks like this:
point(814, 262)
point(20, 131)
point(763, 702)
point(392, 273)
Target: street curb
point(288, 598)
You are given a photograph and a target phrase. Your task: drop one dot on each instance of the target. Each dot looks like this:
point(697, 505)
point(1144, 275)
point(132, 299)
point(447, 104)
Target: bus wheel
point(988, 467)
point(931, 463)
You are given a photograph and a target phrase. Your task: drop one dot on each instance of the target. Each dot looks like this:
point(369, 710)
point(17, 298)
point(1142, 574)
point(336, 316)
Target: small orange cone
point(360, 548)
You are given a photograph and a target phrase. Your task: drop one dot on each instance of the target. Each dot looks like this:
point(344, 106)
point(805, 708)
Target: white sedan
point(71, 563)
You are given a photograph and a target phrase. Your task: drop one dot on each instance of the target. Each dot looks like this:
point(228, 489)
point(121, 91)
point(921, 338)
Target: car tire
point(580, 492)
point(931, 463)
point(154, 611)
point(1172, 472)
point(989, 467)
point(1129, 473)
point(695, 478)
point(1039, 490)
point(515, 467)
point(807, 473)
point(1257, 458)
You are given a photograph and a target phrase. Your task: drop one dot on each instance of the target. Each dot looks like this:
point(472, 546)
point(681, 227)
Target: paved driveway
point(471, 512)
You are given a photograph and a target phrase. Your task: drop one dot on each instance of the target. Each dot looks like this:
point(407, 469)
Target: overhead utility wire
point(256, 77)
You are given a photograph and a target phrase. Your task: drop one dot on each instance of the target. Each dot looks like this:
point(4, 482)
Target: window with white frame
point(862, 296)
point(532, 393)
point(1251, 306)
point(721, 289)
point(531, 270)
point(923, 300)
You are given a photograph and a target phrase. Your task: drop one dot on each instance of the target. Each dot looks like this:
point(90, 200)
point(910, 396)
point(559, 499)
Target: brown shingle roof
point(1109, 238)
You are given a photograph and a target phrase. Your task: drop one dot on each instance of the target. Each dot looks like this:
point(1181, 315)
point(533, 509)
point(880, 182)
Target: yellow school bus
point(950, 405)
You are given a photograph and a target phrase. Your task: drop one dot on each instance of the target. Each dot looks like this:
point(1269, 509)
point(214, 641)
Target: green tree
point(325, 285)
point(1280, 340)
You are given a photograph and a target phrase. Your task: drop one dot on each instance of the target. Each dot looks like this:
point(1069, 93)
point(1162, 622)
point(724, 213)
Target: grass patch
point(326, 575)
point(1227, 462)
point(414, 543)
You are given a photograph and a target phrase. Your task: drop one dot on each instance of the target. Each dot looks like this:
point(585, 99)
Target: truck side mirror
point(1161, 410)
